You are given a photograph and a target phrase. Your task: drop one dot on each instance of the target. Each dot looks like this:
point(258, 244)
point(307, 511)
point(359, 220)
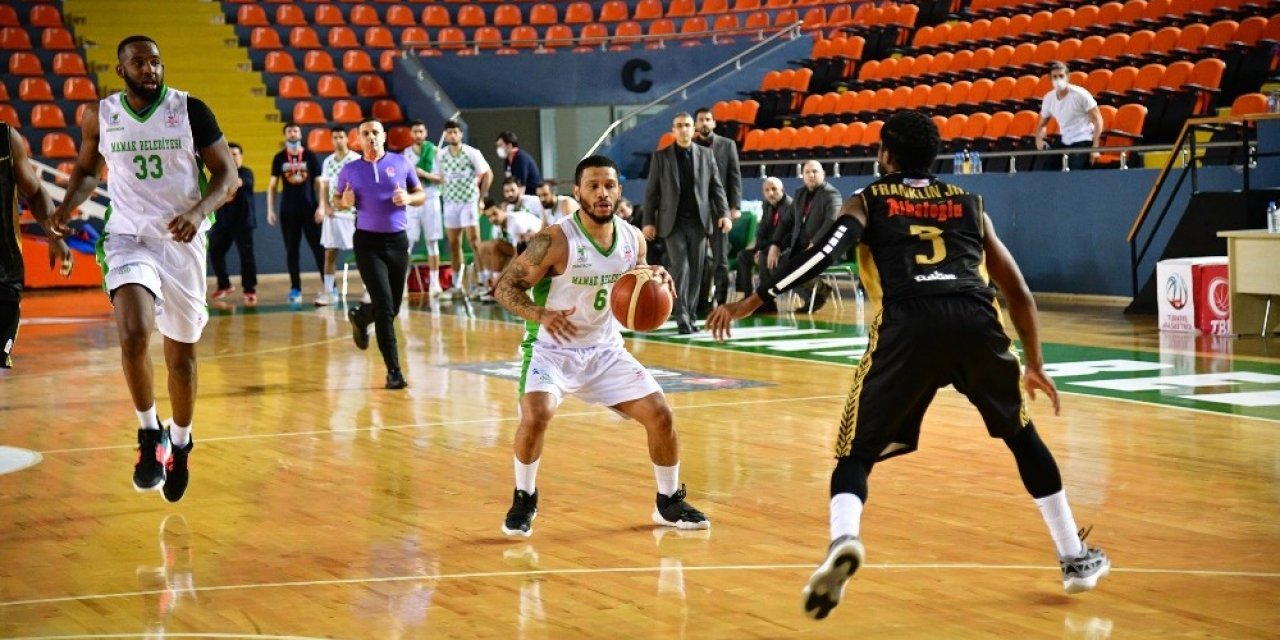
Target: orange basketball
point(639, 301)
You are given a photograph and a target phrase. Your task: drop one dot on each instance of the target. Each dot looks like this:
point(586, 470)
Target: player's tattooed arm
point(545, 256)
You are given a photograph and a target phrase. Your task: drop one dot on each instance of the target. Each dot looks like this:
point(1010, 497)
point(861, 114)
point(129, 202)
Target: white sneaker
point(434, 291)
point(324, 300)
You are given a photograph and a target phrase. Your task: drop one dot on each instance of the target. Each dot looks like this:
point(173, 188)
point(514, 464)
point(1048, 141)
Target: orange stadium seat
point(1249, 104)
point(399, 138)
point(288, 15)
point(319, 140)
point(757, 20)
point(47, 116)
point(264, 38)
point(416, 37)
point(400, 16)
point(9, 115)
point(592, 37)
point(279, 62)
point(488, 38)
point(434, 15)
point(57, 39)
point(57, 145)
point(365, 16)
point(558, 35)
point(371, 85)
point(626, 34)
point(613, 11)
point(251, 15)
point(35, 90)
point(14, 39)
point(291, 87)
point(79, 89)
point(544, 13)
point(507, 15)
point(524, 37)
point(303, 38)
point(25, 64)
point(378, 38)
point(681, 9)
point(347, 112)
point(471, 15)
point(332, 86)
point(9, 16)
point(318, 61)
point(327, 15)
point(345, 38)
point(645, 10)
point(384, 110)
point(69, 64)
point(357, 61)
point(579, 13)
point(387, 60)
point(711, 7)
point(451, 39)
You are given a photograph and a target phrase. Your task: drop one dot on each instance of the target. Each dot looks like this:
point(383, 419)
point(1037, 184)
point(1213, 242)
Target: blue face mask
point(293, 144)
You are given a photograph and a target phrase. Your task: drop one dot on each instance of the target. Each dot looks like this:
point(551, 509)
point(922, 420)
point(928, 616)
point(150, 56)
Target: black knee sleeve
point(850, 476)
point(1036, 465)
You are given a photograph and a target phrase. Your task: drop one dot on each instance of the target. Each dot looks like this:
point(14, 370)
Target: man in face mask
point(517, 162)
point(1078, 118)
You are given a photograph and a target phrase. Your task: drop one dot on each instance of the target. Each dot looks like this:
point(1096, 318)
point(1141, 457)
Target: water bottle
point(968, 164)
point(975, 162)
point(957, 165)
point(1273, 217)
point(1273, 101)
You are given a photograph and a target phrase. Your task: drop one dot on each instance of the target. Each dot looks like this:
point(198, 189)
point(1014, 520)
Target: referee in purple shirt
point(379, 186)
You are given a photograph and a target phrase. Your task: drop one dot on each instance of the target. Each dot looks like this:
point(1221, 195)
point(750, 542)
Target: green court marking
point(1176, 376)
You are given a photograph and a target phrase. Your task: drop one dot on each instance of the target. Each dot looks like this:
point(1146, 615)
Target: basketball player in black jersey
point(926, 250)
point(18, 179)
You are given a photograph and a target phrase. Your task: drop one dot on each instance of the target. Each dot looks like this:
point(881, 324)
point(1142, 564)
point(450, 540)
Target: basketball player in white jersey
point(574, 345)
point(156, 142)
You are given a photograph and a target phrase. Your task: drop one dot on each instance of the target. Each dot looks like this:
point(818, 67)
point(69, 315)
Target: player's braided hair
point(912, 140)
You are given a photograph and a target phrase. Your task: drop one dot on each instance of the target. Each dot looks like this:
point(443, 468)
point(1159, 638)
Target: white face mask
point(502, 153)
point(1060, 84)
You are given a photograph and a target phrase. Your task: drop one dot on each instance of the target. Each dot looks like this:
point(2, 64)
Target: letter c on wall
point(629, 73)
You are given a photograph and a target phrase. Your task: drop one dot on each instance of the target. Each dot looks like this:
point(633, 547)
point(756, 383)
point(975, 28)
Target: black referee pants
point(383, 261)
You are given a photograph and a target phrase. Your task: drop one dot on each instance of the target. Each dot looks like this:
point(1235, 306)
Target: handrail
point(605, 41)
point(793, 30)
point(1173, 158)
point(89, 209)
point(1010, 154)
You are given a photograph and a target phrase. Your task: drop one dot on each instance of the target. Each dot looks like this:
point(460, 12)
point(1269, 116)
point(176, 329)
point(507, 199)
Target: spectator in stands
point(554, 206)
point(235, 222)
point(297, 170)
point(814, 209)
point(338, 226)
point(778, 206)
point(518, 163)
point(684, 202)
point(1077, 114)
point(466, 177)
point(513, 226)
point(627, 211)
point(726, 153)
point(426, 218)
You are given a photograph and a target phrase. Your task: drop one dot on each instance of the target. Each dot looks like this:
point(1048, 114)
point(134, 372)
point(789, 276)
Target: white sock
point(328, 283)
point(526, 474)
point(846, 515)
point(179, 436)
point(435, 278)
point(668, 479)
point(1062, 526)
point(147, 419)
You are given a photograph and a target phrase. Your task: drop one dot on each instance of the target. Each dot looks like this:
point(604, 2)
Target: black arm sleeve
point(204, 127)
point(844, 233)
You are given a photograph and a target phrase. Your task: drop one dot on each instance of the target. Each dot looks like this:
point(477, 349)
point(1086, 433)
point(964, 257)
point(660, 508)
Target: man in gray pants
point(684, 202)
point(726, 154)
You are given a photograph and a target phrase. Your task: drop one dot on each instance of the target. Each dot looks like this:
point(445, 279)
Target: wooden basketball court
point(323, 506)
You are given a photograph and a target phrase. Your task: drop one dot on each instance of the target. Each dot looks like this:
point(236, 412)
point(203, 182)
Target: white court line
point(398, 427)
point(604, 570)
point(166, 634)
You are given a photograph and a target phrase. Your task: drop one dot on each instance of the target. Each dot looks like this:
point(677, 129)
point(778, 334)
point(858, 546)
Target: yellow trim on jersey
point(849, 418)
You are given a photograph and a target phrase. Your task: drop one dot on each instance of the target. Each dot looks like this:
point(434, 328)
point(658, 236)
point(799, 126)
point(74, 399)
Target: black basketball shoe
point(524, 508)
point(153, 451)
point(359, 330)
point(176, 474)
point(673, 511)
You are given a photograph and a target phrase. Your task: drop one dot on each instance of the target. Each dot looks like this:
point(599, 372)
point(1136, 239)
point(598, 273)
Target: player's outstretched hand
point(60, 252)
point(556, 322)
point(722, 317)
point(663, 277)
point(185, 226)
point(1036, 379)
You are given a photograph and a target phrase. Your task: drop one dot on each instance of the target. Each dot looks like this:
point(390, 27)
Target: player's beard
point(591, 213)
point(148, 95)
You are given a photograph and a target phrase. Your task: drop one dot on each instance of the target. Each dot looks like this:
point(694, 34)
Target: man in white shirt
point(1077, 114)
point(338, 226)
point(554, 207)
point(514, 225)
point(426, 217)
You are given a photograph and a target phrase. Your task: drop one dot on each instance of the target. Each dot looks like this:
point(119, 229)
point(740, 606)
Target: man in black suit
point(726, 153)
point(816, 205)
point(683, 203)
point(778, 207)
